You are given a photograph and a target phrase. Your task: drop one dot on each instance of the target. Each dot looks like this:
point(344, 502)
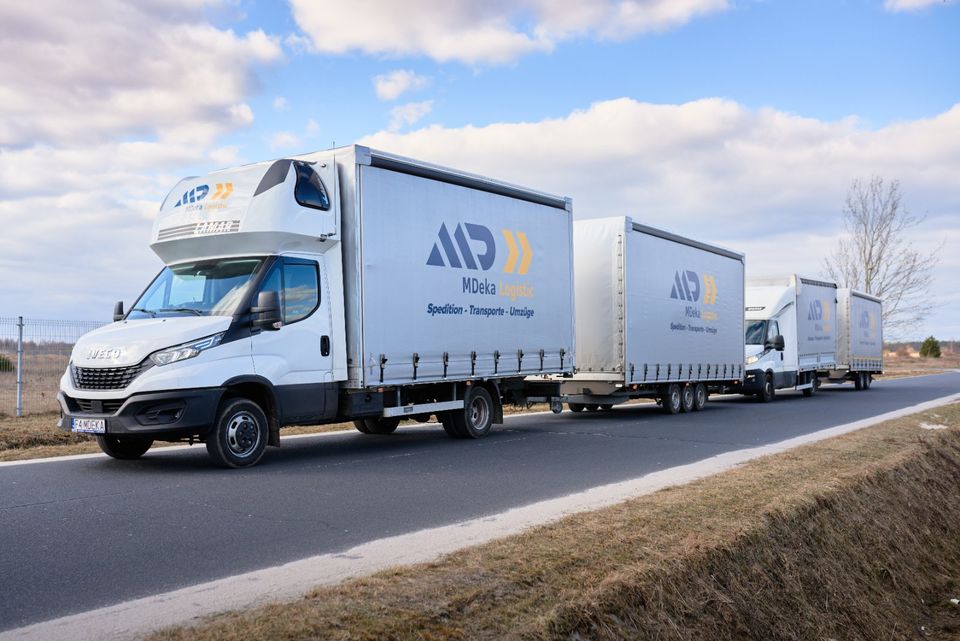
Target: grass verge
point(851, 538)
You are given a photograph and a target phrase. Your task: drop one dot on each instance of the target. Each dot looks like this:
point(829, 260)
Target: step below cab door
point(296, 358)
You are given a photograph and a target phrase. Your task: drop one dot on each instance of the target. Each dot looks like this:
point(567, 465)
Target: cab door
point(296, 358)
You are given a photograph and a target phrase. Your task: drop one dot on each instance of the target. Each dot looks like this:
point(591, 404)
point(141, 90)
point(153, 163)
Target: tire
point(814, 384)
point(240, 433)
point(381, 424)
point(575, 407)
point(361, 426)
point(768, 392)
point(123, 448)
point(476, 417)
point(858, 382)
point(606, 407)
point(686, 398)
point(592, 407)
point(868, 380)
point(672, 401)
point(699, 397)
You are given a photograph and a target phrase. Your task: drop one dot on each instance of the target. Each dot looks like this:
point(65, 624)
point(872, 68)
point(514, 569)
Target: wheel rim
point(701, 396)
point(479, 413)
point(243, 434)
point(768, 387)
point(675, 397)
point(688, 396)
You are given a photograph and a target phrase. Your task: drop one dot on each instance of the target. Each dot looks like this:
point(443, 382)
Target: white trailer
point(791, 334)
point(658, 315)
point(860, 338)
point(349, 284)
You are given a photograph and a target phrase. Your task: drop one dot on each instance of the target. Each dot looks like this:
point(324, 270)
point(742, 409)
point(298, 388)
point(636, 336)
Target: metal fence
point(34, 353)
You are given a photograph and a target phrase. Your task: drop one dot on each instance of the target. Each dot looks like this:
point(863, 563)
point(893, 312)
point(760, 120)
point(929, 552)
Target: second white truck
point(790, 336)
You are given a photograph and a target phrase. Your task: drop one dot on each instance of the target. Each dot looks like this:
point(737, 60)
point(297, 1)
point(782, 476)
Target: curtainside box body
point(653, 307)
point(451, 276)
point(860, 336)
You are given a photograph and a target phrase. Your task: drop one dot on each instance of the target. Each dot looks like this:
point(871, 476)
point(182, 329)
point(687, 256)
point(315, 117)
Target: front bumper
point(752, 382)
point(159, 415)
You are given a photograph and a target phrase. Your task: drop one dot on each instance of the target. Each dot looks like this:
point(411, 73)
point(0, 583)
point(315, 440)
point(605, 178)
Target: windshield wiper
point(192, 310)
point(152, 313)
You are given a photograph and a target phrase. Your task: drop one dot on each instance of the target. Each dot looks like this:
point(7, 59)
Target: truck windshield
point(756, 333)
point(204, 288)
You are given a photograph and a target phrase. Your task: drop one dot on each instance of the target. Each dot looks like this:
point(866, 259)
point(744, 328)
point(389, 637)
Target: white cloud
point(284, 140)
point(408, 114)
point(313, 128)
point(390, 86)
point(280, 104)
point(491, 32)
point(762, 181)
point(131, 69)
point(912, 5)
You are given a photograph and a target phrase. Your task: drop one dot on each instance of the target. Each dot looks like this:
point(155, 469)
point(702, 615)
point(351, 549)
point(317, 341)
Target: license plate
point(89, 425)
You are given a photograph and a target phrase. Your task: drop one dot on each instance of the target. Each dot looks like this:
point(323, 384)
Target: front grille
point(107, 377)
point(98, 407)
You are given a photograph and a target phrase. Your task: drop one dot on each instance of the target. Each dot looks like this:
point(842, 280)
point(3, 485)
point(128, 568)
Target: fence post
point(19, 366)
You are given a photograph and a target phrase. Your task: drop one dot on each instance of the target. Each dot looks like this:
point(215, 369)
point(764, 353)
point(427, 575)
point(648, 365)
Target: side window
point(301, 291)
point(309, 190)
point(773, 331)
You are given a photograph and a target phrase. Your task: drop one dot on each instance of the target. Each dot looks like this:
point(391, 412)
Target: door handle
point(324, 345)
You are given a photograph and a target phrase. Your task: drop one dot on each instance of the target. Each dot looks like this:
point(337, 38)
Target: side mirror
point(778, 343)
point(118, 311)
point(266, 313)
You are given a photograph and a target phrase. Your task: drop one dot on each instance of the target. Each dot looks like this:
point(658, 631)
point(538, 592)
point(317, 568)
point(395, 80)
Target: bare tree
point(875, 256)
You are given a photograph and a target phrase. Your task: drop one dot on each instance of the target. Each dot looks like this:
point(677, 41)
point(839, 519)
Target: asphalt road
point(82, 534)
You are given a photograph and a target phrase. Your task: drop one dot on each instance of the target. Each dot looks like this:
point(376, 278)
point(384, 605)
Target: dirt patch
point(851, 538)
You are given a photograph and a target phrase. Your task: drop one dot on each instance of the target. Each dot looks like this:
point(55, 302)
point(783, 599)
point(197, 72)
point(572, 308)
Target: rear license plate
point(89, 425)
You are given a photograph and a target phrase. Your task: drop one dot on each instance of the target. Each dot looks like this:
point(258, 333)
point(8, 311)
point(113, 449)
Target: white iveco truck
point(791, 335)
point(658, 315)
point(348, 284)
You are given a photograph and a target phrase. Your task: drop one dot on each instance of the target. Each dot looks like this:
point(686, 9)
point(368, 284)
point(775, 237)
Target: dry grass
point(851, 538)
point(902, 366)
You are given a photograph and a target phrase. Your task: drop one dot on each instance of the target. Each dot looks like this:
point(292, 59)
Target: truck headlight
point(185, 351)
point(752, 359)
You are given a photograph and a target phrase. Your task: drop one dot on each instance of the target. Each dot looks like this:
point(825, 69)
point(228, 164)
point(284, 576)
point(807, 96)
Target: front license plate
point(89, 425)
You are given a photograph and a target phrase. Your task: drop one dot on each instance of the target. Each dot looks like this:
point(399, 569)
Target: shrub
point(930, 348)
point(6, 365)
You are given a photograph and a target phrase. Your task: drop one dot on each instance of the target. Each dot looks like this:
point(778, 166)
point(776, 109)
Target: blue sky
point(739, 122)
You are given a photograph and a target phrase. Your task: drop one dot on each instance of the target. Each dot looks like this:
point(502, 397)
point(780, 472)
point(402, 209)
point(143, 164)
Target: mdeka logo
point(818, 311)
point(456, 251)
point(198, 193)
point(868, 321)
point(686, 287)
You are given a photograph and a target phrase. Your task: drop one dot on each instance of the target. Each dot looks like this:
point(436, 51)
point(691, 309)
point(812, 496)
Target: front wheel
point(239, 435)
point(671, 402)
point(767, 393)
point(124, 448)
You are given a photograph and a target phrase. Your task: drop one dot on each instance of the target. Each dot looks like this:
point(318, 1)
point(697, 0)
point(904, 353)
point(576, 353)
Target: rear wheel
point(671, 402)
point(858, 381)
point(361, 426)
point(767, 392)
point(606, 407)
point(592, 407)
point(814, 384)
point(686, 398)
point(124, 448)
point(699, 397)
point(240, 433)
point(476, 417)
point(575, 407)
point(868, 380)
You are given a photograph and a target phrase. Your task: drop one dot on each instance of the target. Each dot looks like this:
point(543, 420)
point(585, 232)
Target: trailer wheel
point(768, 392)
point(686, 398)
point(858, 381)
point(240, 433)
point(380, 424)
point(699, 397)
point(361, 426)
point(868, 380)
point(672, 401)
point(814, 385)
point(476, 417)
point(575, 407)
point(123, 448)
point(592, 407)
point(606, 407)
